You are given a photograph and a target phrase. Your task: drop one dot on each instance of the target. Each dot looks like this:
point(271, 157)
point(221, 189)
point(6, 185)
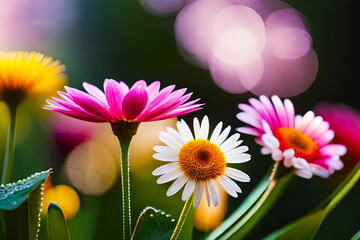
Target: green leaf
point(256, 205)
point(356, 236)
point(307, 226)
point(154, 224)
point(21, 202)
point(243, 208)
point(12, 195)
point(56, 224)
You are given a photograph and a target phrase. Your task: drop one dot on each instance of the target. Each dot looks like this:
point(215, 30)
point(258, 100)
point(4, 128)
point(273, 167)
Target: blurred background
point(224, 52)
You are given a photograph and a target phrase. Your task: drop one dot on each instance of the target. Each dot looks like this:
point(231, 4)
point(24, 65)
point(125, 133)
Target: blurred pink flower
point(140, 103)
point(69, 132)
point(25, 24)
point(301, 142)
point(248, 45)
point(345, 121)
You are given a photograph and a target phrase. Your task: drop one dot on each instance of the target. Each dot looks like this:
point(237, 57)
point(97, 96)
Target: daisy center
point(302, 144)
point(201, 160)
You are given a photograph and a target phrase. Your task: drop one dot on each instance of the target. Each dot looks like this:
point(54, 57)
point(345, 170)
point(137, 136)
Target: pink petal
point(140, 83)
point(290, 110)
point(89, 104)
point(96, 93)
point(114, 97)
point(269, 108)
point(333, 149)
point(153, 90)
point(134, 102)
point(280, 110)
point(249, 131)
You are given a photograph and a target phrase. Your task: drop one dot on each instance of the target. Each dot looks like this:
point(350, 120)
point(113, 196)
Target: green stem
point(125, 131)
point(125, 185)
point(182, 218)
point(10, 145)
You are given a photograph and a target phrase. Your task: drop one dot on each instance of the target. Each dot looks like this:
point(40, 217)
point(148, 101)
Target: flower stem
point(10, 145)
point(182, 218)
point(125, 131)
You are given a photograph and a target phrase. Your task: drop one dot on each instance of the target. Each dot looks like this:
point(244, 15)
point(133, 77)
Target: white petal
point(277, 155)
point(207, 194)
point(168, 177)
point(270, 141)
point(176, 136)
point(249, 119)
point(215, 134)
point(237, 174)
point(188, 189)
point(214, 194)
point(315, 123)
point(265, 150)
point(204, 129)
point(196, 126)
point(222, 136)
point(230, 143)
point(325, 138)
point(168, 140)
point(184, 130)
point(299, 163)
point(298, 120)
point(306, 120)
point(227, 187)
point(166, 157)
point(238, 158)
point(198, 194)
point(289, 153)
point(177, 185)
point(165, 168)
point(266, 127)
point(232, 184)
point(304, 173)
point(237, 150)
point(287, 162)
point(333, 149)
point(164, 149)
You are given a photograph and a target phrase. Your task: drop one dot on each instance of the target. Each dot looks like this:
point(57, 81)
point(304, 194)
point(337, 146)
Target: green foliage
point(21, 202)
point(12, 195)
point(56, 224)
point(307, 226)
point(154, 224)
point(255, 206)
point(356, 236)
point(187, 229)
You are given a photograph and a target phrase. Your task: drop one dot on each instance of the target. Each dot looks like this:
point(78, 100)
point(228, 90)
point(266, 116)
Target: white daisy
point(198, 162)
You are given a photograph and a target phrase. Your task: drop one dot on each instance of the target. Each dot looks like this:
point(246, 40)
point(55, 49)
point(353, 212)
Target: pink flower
point(140, 103)
point(301, 142)
point(345, 121)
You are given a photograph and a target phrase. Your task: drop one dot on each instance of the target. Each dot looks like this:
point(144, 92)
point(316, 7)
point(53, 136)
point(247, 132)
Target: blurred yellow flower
point(28, 74)
point(64, 196)
point(208, 218)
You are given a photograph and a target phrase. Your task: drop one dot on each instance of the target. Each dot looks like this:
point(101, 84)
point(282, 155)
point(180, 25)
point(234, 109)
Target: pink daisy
point(302, 142)
point(345, 121)
point(140, 103)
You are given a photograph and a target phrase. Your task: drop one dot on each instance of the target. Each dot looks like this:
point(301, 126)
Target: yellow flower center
point(302, 144)
point(201, 160)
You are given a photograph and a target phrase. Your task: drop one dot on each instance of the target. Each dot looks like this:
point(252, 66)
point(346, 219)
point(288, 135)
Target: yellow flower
point(64, 196)
point(28, 74)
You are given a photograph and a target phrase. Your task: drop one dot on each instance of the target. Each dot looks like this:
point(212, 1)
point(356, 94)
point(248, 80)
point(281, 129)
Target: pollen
point(302, 144)
point(201, 160)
